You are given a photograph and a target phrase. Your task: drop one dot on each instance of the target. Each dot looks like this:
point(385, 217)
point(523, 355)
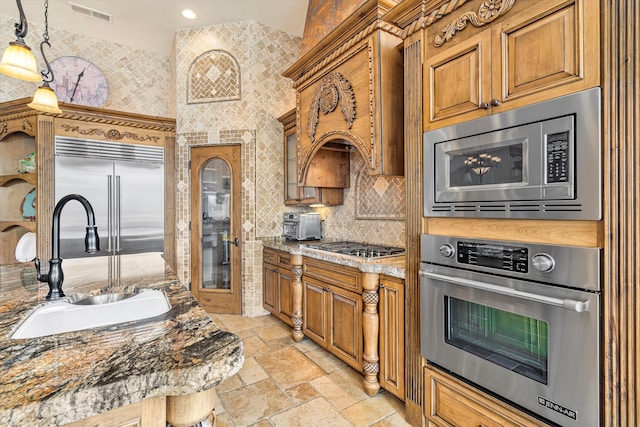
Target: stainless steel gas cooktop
point(362, 250)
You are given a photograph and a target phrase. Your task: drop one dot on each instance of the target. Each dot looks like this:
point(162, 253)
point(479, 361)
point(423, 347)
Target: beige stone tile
point(396, 419)
point(263, 423)
point(251, 372)
point(223, 419)
point(280, 343)
point(306, 345)
point(316, 413)
point(253, 345)
point(302, 393)
point(328, 362)
point(236, 324)
point(289, 367)
point(372, 410)
point(250, 404)
point(274, 332)
point(245, 333)
point(230, 383)
point(341, 388)
point(220, 409)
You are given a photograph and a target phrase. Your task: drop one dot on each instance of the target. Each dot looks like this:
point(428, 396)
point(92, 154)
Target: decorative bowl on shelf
point(28, 164)
point(28, 206)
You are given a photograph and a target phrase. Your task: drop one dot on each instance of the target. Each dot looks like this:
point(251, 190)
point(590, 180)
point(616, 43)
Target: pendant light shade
point(45, 99)
point(18, 62)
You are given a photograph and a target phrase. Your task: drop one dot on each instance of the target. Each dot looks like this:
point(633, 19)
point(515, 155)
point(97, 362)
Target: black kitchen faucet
point(55, 277)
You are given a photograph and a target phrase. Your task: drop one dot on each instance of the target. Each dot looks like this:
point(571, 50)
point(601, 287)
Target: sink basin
point(91, 312)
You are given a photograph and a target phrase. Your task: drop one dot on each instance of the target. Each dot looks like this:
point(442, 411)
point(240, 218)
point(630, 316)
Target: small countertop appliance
point(301, 226)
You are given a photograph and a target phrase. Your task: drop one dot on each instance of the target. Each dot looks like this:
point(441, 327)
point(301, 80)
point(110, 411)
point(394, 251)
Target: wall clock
point(79, 81)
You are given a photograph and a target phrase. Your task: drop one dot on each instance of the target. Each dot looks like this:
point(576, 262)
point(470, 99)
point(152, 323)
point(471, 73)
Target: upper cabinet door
point(459, 81)
point(534, 51)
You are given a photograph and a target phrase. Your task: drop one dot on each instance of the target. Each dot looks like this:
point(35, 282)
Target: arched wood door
point(216, 279)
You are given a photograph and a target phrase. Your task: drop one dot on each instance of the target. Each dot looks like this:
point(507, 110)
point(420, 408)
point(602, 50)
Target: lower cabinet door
point(345, 318)
point(314, 312)
point(392, 335)
point(269, 283)
point(284, 308)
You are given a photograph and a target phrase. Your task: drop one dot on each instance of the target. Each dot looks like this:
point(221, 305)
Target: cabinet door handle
point(494, 102)
point(381, 286)
point(484, 106)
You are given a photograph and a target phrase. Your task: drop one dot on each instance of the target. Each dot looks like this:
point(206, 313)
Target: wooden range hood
point(349, 93)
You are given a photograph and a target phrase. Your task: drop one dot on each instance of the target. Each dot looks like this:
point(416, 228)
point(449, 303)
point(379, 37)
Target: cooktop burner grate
point(362, 250)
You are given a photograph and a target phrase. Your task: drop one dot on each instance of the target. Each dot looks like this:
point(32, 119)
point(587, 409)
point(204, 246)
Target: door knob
point(484, 106)
point(236, 242)
point(494, 102)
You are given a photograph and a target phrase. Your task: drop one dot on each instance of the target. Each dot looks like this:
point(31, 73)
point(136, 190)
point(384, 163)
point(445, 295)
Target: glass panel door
point(216, 224)
point(513, 341)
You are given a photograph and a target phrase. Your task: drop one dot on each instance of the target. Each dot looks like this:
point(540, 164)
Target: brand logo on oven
point(558, 408)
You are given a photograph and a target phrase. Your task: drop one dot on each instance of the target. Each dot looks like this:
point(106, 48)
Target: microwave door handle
point(573, 305)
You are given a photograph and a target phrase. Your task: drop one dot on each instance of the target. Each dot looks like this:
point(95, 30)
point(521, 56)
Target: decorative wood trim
point(296, 296)
point(621, 136)
point(45, 194)
point(333, 88)
point(488, 11)
point(371, 333)
point(378, 25)
point(413, 106)
point(111, 134)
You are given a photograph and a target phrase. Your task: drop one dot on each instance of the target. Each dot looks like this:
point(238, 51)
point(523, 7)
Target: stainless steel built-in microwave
point(539, 161)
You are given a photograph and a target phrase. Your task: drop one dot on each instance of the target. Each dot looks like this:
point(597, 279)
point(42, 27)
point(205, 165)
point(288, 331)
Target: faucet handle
point(41, 277)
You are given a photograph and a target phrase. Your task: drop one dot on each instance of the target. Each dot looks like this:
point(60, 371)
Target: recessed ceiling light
point(189, 14)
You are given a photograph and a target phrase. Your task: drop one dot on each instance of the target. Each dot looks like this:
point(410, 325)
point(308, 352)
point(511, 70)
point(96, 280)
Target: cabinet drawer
point(269, 256)
point(343, 277)
point(284, 260)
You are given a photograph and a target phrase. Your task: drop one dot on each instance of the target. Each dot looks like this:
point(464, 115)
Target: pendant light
point(45, 98)
point(18, 60)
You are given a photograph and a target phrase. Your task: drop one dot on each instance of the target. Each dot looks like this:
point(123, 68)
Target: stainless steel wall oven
point(538, 161)
point(520, 320)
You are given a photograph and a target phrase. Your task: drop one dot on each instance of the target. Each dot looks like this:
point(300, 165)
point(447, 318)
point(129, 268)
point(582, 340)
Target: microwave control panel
point(558, 157)
point(509, 258)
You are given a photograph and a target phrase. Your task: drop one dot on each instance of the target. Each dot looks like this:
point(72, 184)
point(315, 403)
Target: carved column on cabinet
point(371, 331)
point(296, 296)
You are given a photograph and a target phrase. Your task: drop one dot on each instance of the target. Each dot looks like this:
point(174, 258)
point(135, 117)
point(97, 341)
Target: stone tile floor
point(289, 384)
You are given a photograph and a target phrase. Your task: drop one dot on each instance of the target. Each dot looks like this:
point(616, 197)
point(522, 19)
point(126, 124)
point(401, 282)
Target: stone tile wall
point(138, 79)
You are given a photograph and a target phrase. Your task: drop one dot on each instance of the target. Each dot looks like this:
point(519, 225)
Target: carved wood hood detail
point(332, 89)
point(359, 67)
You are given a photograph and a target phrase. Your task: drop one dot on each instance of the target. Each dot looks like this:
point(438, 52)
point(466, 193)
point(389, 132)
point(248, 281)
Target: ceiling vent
point(93, 13)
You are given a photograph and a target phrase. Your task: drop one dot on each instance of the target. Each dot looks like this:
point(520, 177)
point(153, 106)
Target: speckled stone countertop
point(57, 379)
point(391, 266)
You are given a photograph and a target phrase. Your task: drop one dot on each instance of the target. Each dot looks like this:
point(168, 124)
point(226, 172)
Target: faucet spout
point(55, 277)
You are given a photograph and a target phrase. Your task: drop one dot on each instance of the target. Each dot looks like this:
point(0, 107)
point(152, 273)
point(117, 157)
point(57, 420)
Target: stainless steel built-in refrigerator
point(125, 185)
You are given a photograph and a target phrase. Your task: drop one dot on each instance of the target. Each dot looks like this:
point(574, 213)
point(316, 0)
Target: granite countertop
point(391, 266)
point(57, 379)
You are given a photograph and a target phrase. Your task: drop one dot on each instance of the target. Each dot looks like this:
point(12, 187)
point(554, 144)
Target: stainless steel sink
point(92, 312)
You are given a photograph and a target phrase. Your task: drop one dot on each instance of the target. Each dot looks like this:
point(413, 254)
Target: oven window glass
point(515, 342)
point(500, 165)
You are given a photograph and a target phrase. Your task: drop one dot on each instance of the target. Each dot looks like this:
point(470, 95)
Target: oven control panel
point(509, 258)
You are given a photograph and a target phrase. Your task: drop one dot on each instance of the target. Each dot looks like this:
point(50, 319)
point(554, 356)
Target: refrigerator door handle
point(118, 197)
point(109, 210)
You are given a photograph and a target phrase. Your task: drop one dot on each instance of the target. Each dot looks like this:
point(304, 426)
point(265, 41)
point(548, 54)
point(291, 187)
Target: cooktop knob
point(447, 250)
point(543, 262)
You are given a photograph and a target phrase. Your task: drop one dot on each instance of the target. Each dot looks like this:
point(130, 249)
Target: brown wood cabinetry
point(24, 130)
point(332, 309)
point(518, 55)
point(392, 335)
point(277, 291)
point(450, 402)
point(295, 194)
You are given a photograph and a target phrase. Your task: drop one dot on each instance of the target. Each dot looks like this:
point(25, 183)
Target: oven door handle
point(569, 304)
